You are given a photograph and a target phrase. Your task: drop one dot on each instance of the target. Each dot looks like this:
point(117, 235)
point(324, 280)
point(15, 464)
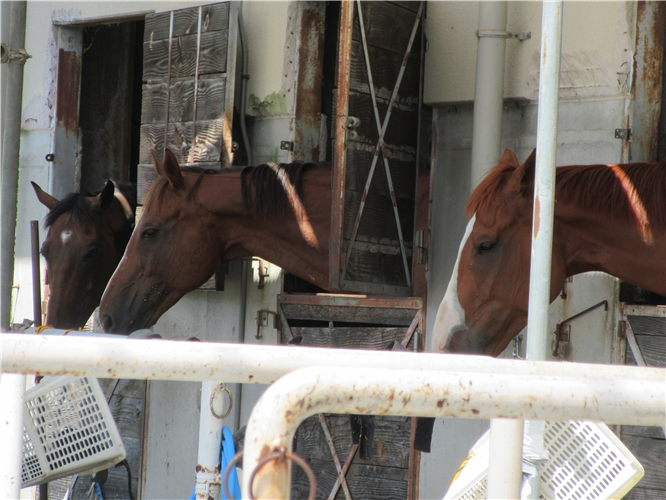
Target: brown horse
point(609, 218)
point(193, 221)
point(87, 236)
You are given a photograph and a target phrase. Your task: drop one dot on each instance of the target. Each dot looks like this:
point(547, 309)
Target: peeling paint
point(274, 104)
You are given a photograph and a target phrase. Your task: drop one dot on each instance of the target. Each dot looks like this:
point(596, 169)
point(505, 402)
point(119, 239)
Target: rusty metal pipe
point(113, 357)
point(611, 398)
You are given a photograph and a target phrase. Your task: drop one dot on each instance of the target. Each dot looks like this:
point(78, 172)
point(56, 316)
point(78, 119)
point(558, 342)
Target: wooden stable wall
point(384, 464)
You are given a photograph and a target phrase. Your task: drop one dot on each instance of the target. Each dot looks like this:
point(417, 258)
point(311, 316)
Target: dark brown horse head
point(172, 251)
point(485, 304)
point(87, 235)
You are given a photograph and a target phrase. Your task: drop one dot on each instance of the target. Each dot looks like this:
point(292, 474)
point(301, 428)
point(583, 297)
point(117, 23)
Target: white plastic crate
point(586, 461)
point(68, 429)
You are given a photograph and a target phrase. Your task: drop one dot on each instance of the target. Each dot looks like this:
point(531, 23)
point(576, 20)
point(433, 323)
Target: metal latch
point(262, 320)
point(352, 124)
point(623, 133)
point(563, 329)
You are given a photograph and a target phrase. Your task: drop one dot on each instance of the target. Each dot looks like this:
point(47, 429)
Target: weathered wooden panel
point(652, 349)
point(401, 166)
point(212, 56)
point(209, 142)
point(186, 21)
point(639, 493)
point(411, 5)
point(368, 264)
point(370, 338)
point(390, 445)
point(402, 130)
point(210, 101)
point(378, 316)
point(648, 325)
point(385, 67)
point(364, 482)
point(378, 219)
point(387, 26)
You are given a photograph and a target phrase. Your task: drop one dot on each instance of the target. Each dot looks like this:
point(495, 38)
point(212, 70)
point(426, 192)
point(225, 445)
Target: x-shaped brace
point(381, 146)
point(342, 470)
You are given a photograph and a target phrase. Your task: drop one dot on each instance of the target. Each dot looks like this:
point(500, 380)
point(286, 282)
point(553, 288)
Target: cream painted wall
point(597, 50)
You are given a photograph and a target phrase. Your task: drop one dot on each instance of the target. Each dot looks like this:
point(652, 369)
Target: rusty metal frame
point(340, 144)
point(340, 481)
point(381, 146)
point(341, 300)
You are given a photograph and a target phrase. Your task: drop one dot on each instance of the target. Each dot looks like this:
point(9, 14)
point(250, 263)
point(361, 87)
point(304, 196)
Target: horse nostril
point(107, 323)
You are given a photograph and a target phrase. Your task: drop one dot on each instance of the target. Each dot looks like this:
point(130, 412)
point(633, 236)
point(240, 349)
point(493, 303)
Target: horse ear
point(172, 169)
point(523, 175)
point(509, 158)
point(46, 199)
point(106, 196)
point(159, 168)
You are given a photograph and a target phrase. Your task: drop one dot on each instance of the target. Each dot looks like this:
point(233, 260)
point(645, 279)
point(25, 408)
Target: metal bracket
point(264, 272)
point(563, 330)
point(50, 157)
point(287, 145)
point(623, 133)
point(521, 36)
point(7, 55)
point(262, 320)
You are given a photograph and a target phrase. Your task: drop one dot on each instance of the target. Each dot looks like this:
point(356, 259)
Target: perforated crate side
point(68, 430)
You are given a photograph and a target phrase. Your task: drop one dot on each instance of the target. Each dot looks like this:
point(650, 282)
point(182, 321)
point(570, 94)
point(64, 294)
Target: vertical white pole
point(544, 197)
point(505, 467)
point(488, 89)
point(12, 396)
point(544, 183)
point(210, 442)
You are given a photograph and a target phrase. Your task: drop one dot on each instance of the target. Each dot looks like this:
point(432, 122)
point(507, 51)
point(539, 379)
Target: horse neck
point(591, 241)
point(299, 245)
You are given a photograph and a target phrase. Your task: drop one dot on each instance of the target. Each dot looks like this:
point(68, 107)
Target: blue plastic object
point(228, 453)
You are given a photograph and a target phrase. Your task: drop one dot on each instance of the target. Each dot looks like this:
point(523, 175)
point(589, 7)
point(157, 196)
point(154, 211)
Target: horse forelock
point(73, 203)
point(489, 190)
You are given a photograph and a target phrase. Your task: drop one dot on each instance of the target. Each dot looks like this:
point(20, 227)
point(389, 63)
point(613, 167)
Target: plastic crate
point(68, 429)
point(586, 461)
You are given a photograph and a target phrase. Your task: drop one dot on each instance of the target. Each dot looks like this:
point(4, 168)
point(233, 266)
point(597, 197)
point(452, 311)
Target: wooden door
point(377, 118)
point(189, 70)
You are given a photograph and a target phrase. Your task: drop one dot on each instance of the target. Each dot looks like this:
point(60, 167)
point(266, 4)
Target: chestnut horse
point(87, 235)
point(193, 221)
point(609, 218)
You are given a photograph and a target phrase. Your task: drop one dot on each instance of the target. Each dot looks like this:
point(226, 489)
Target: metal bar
point(653, 311)
point(168, 89)
point(506, 458)
point(544, 193)
point(196, 92)
point(227, 156)
point(340, 144)
point(208, 478)
point(336, 461)
point(381, 147)
point(343, 300)
point(36, 279)
point(544, 183)
point(345, 467)
point(636, 351)
point(410, 331)
point(369, 391)
point(249, 364)
point(10, 162)
point(12, 390)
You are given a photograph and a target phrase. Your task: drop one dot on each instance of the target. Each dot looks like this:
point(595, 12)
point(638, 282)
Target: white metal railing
point(436, 385)
point(601, 395)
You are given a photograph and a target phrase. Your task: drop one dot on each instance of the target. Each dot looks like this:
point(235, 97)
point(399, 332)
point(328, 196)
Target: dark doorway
point(110, 103)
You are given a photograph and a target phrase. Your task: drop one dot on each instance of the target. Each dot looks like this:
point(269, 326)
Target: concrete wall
point(597, 50)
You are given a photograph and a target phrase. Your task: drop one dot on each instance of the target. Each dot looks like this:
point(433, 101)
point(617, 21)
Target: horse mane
point(597, 188)
point(261, 189)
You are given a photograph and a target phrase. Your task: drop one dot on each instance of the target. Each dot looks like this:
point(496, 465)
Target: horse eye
point(149, 233)
point(92, 254)
point(486, 247)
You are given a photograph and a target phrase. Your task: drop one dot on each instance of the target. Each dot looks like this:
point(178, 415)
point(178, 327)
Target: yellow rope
point(462, 466)
point(40, 329)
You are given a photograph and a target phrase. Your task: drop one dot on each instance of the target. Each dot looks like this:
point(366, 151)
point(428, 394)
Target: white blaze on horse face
point(65, 236)
point(450, 316)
